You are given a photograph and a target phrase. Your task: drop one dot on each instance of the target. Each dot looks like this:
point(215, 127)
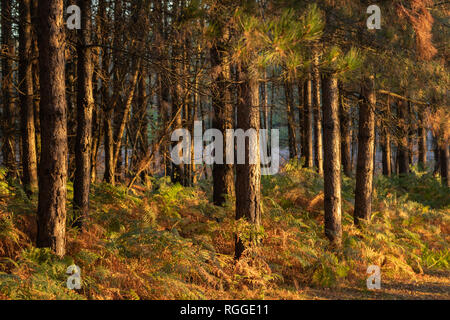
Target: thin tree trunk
point(345, 126)
point(308, 122)
point(436, 153)
point(70, 71)
point(85, 103)
point(444, 162)
point(318, 148)
point(29, 162)
point(354, 142)
point(8, 149)
point(422, 136)
point(364, 169)
point(108, 176)
point(301, 108)
point(293, 151)
point(123, 121)
point(403, 146)
point(386, 143)
point(332, 161)
point(36, 86)
point(412, 130)
point(53, 114)
point(140, 124)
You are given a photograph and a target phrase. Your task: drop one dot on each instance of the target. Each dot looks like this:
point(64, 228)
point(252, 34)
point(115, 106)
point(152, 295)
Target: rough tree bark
point(436, 154)
point(223, 175)
point(27, 123)
point(248, 176)
point(332, 161)
point(318, 148)
point(35, 72)
point(308, 123)
point(364, 169)
point(8, 149)
point(444, 163)
point(53, 114)
point(293, 150)
point(422, 137)
point(403, 145)
point(85, 104)
point(301, 107)
point(346, 138)
point(386, 143)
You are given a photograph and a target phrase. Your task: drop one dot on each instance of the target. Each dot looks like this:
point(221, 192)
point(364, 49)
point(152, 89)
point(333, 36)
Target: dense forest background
point(87, 175)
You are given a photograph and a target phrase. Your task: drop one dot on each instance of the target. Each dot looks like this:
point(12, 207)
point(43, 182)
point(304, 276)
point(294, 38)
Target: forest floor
point(433, 286)
point(165, 241)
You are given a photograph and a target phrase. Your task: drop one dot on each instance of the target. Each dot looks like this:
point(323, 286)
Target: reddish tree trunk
point(293, 151)
point(332, 161)
point(403, 146)
point(345, 128)
point(444, 163)
point(223, 175)
point(364, 169)
point(318, 148)
point(386, 143)
point(248, 176)
point(308, 123)
point(53, 115)
point(8, 149)
point(27, 122)
point(85, 103)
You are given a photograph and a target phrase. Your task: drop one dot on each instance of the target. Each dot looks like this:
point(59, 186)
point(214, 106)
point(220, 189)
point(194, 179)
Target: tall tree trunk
point(318, 148)
point(27, 123)
point(177, 173)
point(422, 136)
point(436, 154)
point(109, 174)
point(354, 142)
point(223, 175)
point(265, 111)
point(108, 143)
point(308, 122)
point(9, 145)
point(364, 169)
point(412, 130)
point(85, 104)
point(332, 161)
point(248, 175)
point(71, 70)
point(97, 120)
point(403, 145)
point(53, 114)
point(444, 162)
point(140, 124)
point(125, 116)
point(386, 143)
point(293, 151)
point(345, 128)
point(35, 72)
point(301, 108)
